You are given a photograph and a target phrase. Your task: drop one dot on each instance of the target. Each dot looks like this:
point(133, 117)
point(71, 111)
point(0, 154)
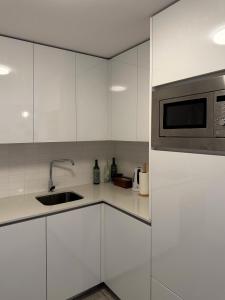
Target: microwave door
point(190, 116)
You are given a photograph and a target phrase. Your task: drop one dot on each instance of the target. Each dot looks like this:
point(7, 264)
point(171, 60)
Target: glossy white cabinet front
point(23, 261)
point(183, 44)
point(16, 86)
point(54, 95)
point(73, 249)
point(160, 292)
point(188, 245)
point(91, 98)
point(126, 255)
point(143, 92)
point(124, 96)
point(130, 94)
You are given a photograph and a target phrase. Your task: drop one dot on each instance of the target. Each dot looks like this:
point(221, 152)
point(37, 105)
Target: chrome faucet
point(51, 186)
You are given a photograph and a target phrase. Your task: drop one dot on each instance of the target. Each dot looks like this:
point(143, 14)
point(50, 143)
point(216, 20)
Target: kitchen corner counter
point(23, 207)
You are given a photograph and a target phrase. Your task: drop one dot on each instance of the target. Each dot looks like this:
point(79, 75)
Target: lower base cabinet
point(73, 247)
point(23, 261)
point(77, 249)
point(160, 292)
point(126, 254)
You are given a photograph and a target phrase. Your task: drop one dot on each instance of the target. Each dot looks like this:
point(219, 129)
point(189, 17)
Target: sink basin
point(59, 198)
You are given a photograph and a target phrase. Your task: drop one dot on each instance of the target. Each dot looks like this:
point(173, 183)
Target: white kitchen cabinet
point(124, 96)
point(16, 86)
point(23, 261)
point(143, 92)
point(73, 249)
point(91, 98)
point(160, 292)
point(54, 95)
point(126, 255)
point(130, 94)
point(188, 245)
point(183, 44)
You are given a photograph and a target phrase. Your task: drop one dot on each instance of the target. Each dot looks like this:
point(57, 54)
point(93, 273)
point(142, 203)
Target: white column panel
point(188, 245)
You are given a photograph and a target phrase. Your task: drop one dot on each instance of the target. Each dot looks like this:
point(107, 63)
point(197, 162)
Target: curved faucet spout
point(51, 186)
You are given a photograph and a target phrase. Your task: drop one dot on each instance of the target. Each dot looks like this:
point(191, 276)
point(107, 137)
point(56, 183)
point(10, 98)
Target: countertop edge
point(42, 215)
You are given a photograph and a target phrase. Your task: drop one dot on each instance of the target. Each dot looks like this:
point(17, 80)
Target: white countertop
point(24, 207)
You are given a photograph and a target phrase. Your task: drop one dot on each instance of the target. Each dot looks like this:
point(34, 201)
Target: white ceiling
point(99, 27)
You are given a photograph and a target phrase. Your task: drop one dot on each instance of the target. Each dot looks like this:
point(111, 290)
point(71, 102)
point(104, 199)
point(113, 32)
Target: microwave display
point(185, 114)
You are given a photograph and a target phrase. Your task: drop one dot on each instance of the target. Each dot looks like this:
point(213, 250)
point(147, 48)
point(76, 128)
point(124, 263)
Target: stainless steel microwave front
point(219, 114)
point(189, 116)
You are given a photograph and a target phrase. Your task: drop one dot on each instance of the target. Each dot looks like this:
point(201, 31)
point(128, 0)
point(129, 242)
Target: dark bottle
point(96, 173)
point(113, 168)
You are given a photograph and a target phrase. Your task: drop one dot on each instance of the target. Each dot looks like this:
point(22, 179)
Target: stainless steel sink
point(60, 198)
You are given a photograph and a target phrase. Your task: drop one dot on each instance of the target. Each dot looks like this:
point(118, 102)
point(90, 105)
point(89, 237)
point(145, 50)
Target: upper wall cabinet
point(130, 95)
point(124, 96)
point(143, 92)
point(16, 85)
point(91, 98)
point(184, 38)
point(54, 95)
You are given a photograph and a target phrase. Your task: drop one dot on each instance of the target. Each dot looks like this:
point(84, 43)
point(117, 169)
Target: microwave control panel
point(219, 123)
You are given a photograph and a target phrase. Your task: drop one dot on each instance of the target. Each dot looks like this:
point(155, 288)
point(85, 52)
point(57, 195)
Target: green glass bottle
point(113, 168)
point(96, 173)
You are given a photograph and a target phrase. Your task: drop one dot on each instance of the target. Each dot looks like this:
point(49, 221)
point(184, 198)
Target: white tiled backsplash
point(24, 168)
point(131, 155)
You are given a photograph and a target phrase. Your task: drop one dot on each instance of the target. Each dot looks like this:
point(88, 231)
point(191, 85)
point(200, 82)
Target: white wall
point(24, 168)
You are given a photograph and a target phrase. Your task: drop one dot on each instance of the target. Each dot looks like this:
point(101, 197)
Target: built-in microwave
point(189, 116)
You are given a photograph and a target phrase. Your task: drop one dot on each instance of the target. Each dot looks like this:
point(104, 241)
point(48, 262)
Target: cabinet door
point(126, 255)
point(160, 292)
point(124, 96)
point(143, 92)
point(54, 95)
point(73, 251)
point(23, 261)
point(188, 245)
point(16, 86)
point(183, 43)
point(91, 98)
